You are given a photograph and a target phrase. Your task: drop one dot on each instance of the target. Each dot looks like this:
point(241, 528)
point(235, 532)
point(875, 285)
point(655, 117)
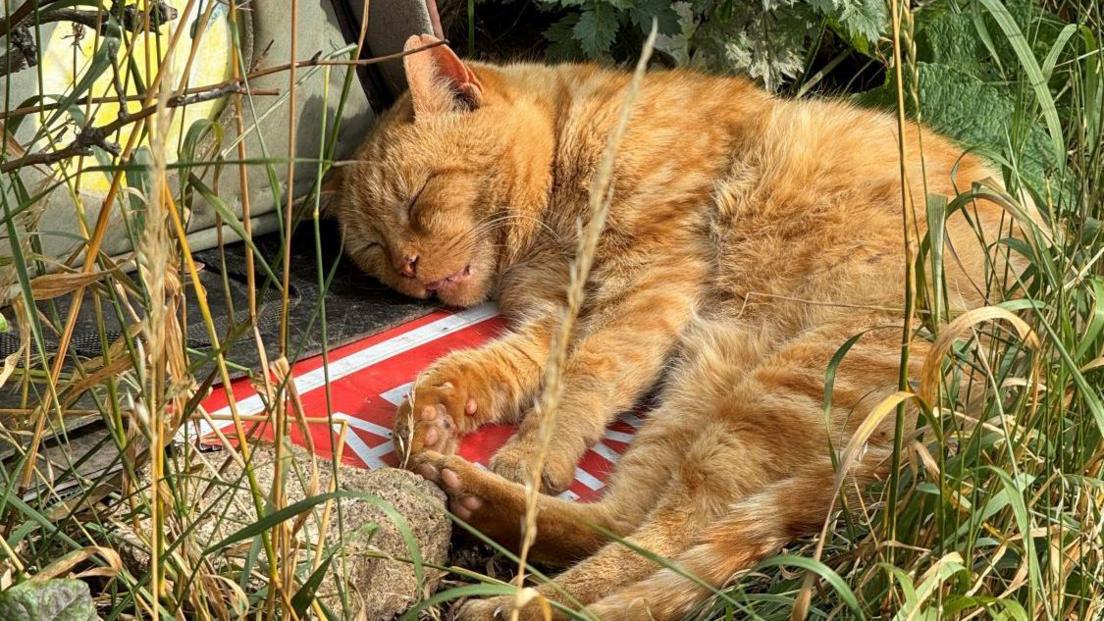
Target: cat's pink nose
point(409, 268)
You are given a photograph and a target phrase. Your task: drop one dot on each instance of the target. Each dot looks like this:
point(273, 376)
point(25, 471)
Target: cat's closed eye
point(411, 208)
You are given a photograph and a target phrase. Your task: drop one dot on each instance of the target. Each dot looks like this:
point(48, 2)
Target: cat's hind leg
point(496, 506)
point(779, 410)
point(754, 528)
point(684, 468)
point(705, 482)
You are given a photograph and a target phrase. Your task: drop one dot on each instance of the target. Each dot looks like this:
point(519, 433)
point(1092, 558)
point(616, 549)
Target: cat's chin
point(462, 295)
point(457, 295)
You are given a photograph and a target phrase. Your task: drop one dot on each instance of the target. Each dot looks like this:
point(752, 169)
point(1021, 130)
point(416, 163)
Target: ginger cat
point(748, 238)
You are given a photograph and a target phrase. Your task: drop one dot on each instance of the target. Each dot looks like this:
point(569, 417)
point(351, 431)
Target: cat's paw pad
point(443, 407)
point(428, 428)
point(453, 475)
point(514, 459)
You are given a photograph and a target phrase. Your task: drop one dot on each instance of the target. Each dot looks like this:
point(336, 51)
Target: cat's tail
point(755, 527)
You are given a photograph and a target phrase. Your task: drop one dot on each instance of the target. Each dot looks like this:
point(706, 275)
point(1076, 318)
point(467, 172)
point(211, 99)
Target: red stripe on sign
point(368, 379)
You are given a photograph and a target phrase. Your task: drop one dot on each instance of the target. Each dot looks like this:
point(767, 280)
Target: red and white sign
point(369, 378)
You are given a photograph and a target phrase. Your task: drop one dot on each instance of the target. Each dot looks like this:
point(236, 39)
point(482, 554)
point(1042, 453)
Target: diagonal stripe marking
point(396, 395)
point(605, 451)
point(618, 436)
point(353, 441)
point(588, 479)
point(369, 356)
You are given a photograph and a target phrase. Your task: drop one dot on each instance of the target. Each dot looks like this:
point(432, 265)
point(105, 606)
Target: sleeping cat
point(748, 238)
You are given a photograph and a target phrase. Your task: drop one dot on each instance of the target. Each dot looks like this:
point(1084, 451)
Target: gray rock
point(386, 587)
point(372, 567)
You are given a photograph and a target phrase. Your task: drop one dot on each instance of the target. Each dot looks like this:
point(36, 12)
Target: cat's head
point(424, 206)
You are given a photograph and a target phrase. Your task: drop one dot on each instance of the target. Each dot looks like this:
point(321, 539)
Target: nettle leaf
point(861, 20)
point(768, 46)
point(665, 13)
point(952, 39)
point(677, 44)
point(596, 29)
point(52, 600)
point(561, 39)
point(976, 113)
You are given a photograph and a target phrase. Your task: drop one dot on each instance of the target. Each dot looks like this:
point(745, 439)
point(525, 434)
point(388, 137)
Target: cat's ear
point(439, 81)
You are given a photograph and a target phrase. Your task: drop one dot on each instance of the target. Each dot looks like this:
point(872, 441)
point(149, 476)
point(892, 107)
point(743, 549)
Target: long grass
point(995, 510)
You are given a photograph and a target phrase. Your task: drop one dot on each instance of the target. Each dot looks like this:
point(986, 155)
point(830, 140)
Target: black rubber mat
point(356, 305)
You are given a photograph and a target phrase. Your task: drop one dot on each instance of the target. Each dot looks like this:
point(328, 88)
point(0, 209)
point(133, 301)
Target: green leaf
point(1096, 322)
point(52, 600)
point(305, 595)
point(1034, 73)
point(561, 38)
point(863, 20)
point(642, 12)
point(1056, 50)
point(271, 520)
point(596, 29)
point(952, 39)
point(101, 60)
point(231, 219)
point(972, 111)
point(827, 573)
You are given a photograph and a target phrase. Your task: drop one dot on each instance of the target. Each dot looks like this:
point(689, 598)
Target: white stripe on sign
point(632, 419)
point(365, 425)
point(396, 395)
point(369, 356)
point(587, 479)
point(605, 451)
point(569, 495)
point(618, 436)
point(353, 441)
point(380, 451)
point(370, 456)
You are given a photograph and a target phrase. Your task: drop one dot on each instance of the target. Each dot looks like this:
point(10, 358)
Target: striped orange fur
point(749, 236)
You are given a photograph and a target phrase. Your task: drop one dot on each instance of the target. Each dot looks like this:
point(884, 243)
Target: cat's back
point(821, 197)
point(800, 197)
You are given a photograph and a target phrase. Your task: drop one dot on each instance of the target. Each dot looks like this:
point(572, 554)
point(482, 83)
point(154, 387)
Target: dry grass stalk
point(152, 255)
point(552, 386)
point(283, 537)
point(92, 248)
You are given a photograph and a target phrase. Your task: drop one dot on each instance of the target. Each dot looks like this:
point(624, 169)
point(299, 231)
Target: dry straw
point(547, 404)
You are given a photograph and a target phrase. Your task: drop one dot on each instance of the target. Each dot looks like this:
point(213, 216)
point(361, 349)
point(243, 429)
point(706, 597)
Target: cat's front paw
point(514, 460)
point(442, 407)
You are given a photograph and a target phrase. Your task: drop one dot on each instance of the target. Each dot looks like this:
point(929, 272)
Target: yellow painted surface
point(69, 53)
